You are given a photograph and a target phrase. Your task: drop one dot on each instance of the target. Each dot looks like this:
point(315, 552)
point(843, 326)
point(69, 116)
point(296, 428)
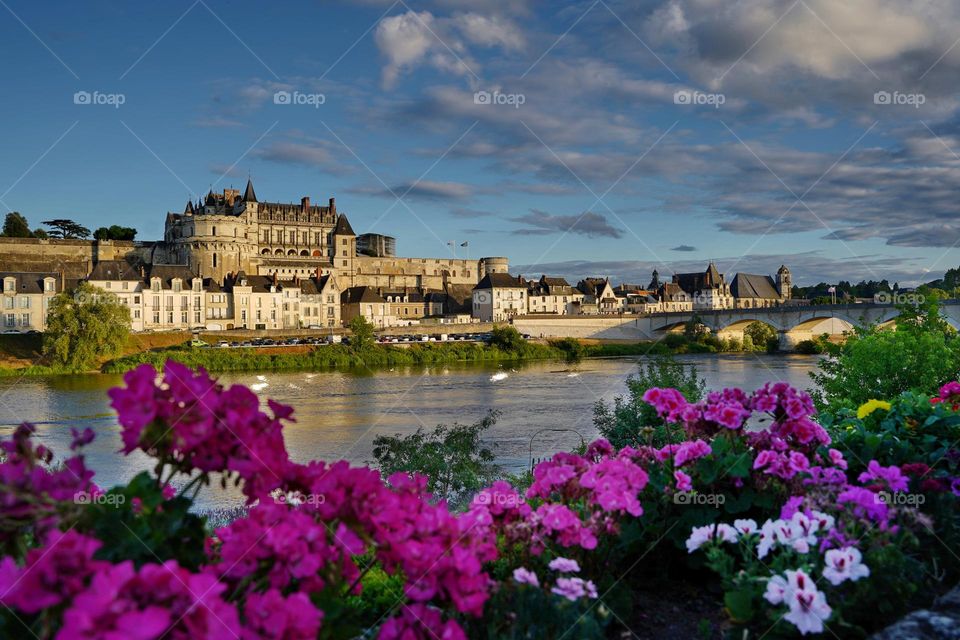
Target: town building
point(598, 296)
point(499, 297)
point(552, 295)
point(319, 302)
point(709, 289)
point(752, 291)
point(26, 299)
point(365, 301)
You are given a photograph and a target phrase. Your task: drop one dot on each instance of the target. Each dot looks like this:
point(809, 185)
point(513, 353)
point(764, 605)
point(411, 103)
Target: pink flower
point(891, 476)
point(564, 565)
point(270, 616)
point(574, 588)
point(420, 622)
point(683, 481)
point(525, 576)
point(690, 451)
point(837, 459)
point(668, 402)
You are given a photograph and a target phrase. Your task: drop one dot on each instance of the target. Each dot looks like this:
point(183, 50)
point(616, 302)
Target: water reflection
point(340, 413)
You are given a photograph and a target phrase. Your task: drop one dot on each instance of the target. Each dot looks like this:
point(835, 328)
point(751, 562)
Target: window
point(214, 232)
point(136, 314)
point(136, 299)
point(156, 316)
point(214, 261)
point(9, 284)
point(25, 320)
point(126, 285)
point(48, 285)
point(9, 321)
point(169, 317)
point(8, 303)
point(107, 285)
point(330, 312)
point(183, 317)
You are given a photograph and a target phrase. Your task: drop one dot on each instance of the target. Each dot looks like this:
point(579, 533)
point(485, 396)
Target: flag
point(464, 244)
point(832, 290)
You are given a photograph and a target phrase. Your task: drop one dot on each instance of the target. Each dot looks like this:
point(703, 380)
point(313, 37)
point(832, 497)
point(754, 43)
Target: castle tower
point(784, 282)
point(493, 264)
point(344, 246)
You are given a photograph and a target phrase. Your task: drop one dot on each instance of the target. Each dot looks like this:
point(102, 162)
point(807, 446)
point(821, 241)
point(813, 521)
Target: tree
point(66, 229)
point(40, 233)
point(15, 226)
point(633, 422)
point(361, 334)
point(506, 338)
point(921, 355)
point(85, 327)
point(454, 459)
point(762, 335)
point(115, 232)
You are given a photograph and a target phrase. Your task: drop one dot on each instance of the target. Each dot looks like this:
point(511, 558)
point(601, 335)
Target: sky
point(595, 138)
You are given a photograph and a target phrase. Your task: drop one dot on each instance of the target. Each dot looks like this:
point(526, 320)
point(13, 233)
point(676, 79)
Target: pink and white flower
point(844, 564)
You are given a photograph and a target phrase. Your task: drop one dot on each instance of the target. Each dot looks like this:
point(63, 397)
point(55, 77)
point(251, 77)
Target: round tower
point(494, 264)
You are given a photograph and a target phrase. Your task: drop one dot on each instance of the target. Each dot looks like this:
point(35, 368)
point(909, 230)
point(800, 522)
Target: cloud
point(590, 224)
point(295, 153)
point(412, 39)
point(464, 212)
point(216, 122)
point(683, 247)
point(423, 189)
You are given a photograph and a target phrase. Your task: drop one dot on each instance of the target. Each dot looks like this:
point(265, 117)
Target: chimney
point(63, 281)
point(143, 272)
point(305, 204)
point(274, 278)
point(318, 272)
point(333, 205)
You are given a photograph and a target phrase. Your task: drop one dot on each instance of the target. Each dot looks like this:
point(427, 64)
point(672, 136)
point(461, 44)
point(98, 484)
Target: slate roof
point(167, 273)
point(31, 282)
point(114, 270)
point(748, 285)
point(501, 281)
point(248, 194)
point(354, 295)
point(343, 227)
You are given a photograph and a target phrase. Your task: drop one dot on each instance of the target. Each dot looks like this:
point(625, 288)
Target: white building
point(552, 295)
point(499, 297)
point(26, 300)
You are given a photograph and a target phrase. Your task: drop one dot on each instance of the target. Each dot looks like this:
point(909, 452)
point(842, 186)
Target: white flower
point(844, 564)
point(808, 609)
point(805, 528)
point(564, 565)
point(726, 533)
point(745, 527)
point(776, 590)
point(525, 576)
point(824, 521)
point(699, 536)
point(768, 538)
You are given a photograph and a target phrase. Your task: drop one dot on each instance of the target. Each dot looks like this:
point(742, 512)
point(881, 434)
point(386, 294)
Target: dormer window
point(48, 284)
point(10, 285)
point(176, 284)
point(155, 284)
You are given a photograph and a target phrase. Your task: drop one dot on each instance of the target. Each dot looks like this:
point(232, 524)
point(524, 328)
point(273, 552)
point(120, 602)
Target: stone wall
point(74, 257)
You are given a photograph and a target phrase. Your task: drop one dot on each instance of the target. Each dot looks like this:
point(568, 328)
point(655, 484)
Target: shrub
point(631, 421)
point(85, 327)
point(506, 338)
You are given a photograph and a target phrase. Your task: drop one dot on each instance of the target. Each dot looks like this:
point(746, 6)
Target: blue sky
point(619, 136)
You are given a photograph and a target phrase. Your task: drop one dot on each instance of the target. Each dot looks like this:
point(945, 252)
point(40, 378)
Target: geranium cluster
point(33, 493)
point(796, 541)
point(193, 424)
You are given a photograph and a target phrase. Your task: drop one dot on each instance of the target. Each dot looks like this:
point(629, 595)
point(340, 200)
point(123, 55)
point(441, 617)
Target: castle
point(232, 232)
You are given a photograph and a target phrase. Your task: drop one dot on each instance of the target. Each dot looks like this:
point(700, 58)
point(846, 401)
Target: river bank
point(24, 353)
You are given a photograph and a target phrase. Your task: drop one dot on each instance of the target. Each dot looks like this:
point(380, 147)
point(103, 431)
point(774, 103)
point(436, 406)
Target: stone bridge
point(793, 323)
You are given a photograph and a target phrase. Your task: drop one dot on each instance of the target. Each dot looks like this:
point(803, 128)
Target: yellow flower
point(870, 406)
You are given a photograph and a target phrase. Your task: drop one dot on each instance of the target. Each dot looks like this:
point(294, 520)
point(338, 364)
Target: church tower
point(784, 282)
point(344, 248)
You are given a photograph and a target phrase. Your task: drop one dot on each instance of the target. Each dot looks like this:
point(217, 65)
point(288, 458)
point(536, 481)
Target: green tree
point(66, 229)
point(362, 333)
point(761, 334)
point(631, 421)
point(85, 327)
point(453, 458)
point(40, 233)
point(16, 226)
point(115, 232)
point(507, 338)
point(921, 355)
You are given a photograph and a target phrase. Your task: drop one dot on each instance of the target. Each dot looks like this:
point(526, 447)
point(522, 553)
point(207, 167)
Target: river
point(339, 413)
